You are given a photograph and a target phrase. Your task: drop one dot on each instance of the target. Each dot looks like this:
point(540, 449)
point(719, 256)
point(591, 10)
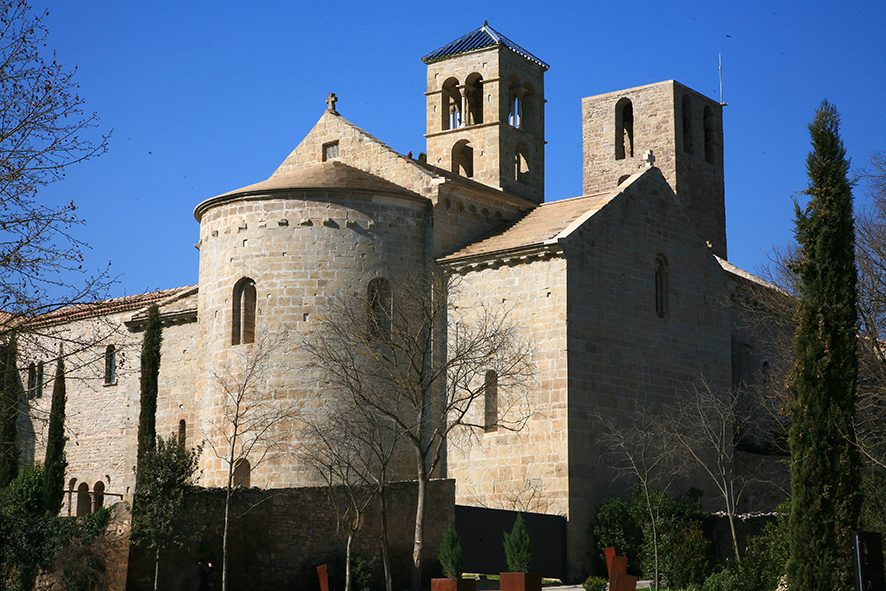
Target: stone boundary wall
point(282, 535)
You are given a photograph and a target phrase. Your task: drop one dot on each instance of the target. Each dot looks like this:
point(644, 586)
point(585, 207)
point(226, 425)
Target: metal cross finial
point(649, 159)
point(330, 102)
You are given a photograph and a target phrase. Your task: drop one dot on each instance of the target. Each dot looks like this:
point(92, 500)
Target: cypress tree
point(9, 409)
point(55, 462)
point(150, 372)
point(825, 479)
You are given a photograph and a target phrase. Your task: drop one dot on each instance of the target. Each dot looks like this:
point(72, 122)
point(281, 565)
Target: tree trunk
point(385, 556)
point(224, 578)
point(348, 561)
point(156, 567)
point(419, 531)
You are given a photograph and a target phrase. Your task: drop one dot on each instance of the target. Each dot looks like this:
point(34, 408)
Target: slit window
point(661, 286)
point(490, 401)
point(110, 364)
point(380, 309)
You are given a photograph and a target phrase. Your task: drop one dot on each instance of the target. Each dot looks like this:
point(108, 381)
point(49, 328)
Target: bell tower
point(485, 112)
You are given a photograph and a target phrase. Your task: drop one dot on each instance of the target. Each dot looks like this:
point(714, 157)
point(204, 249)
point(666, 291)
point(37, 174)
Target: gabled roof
point(485, 36)
point(543, 225)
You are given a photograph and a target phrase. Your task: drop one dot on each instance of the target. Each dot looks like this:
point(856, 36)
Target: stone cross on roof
point(330, 103)
point(649, 159)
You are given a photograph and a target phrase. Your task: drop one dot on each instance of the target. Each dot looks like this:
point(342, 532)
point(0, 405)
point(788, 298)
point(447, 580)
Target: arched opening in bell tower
point(624, 129)
point(463, 158)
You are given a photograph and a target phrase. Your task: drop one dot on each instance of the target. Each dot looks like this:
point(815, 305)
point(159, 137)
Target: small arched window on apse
point(84, 500)
point(661, 286)
point(515, 102)
point(708, 135)
point(450, 105)
point(474, 89)
point(243, 312)
point(686, 112)
point(182, 432)
point(110, 365)
point(98, 494)
point(379, 309)
point(463, 158)
point(490, 400)
point(241, 474)
point(521, 164)
point(624, 129)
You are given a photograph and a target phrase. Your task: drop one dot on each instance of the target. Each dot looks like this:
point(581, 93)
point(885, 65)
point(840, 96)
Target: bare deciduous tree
point(702, 428)
point(253, 426)
point(351, 448)
point(639, 448)
point(421, 364)
point(43, 131)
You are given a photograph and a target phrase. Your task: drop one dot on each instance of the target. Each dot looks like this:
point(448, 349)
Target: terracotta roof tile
point(540, 225)
point(113, 306)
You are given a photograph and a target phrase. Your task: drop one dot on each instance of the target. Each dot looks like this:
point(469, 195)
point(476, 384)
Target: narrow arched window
point(182, 426)
point(450, 105)
point(241, 474)
point(463, 159)
point(39, 392)
point(98, 494)
point(474, 90)
point(380, 309)
point(243, 312)
point(110, 365)
point(32, 380)
point(708, 135)
point(84, 501)
point(624, 129)
point(661, 286)
point(515, 102)
point(521, 164)
point(687, 124)
point(490, 400)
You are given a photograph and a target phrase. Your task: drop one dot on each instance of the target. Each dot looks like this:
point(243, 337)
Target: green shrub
point(24, 495)
point(450, 554)
point(518, 547)
point(617, 527)
point(593, 583)
point(361, 571)
point(682, 546)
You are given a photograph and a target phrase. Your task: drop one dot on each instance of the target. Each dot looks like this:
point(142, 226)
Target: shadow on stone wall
point(282, 535)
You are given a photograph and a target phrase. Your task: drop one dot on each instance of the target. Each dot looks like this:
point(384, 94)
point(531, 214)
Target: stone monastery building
point(621, 289)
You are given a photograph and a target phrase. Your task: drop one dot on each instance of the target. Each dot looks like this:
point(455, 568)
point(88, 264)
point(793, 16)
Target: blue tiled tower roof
point(485, 36)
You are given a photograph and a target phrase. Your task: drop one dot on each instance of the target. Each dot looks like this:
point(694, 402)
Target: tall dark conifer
point(150, 372)
point(55, 462)
point(823, 383)
point(10, 401)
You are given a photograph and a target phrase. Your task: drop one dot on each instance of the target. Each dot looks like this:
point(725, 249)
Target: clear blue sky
point(207, 97)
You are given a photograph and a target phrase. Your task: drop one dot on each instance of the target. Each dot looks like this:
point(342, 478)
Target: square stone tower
point(485, 114)
point(684, 131)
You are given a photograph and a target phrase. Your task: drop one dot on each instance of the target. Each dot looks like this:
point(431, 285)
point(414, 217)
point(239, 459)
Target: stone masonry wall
point(624, 357)
point(280, 537)
point(494, 140)
point(101, 420)
point(526, 469)
point(658, 126)
point(304, 251)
